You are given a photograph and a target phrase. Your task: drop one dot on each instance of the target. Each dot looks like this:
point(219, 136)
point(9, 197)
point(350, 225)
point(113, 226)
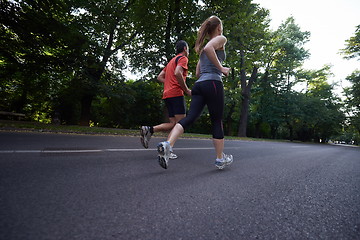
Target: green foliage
point(66, 59)
point(36, 50)
point(352, 127)
point(311, 116)
point(353, 101)
point(163, 23)
point(129, 105)
point(288, 52)
point(352, 49)
point(353, 92)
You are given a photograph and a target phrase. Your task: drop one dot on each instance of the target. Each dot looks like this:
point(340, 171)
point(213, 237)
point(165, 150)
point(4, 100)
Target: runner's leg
point(214, 92)
point(196, 106)
point(176, 110)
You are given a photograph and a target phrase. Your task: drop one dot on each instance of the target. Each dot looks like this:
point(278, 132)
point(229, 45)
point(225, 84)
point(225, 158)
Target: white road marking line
point(70, 151)
point(94, 150)
point(20, 151)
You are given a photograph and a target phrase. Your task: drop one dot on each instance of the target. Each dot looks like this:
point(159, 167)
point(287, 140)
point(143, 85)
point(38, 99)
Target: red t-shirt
point(171, 86)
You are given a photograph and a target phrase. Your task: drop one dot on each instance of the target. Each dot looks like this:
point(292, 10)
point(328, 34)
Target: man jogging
point(173, 76)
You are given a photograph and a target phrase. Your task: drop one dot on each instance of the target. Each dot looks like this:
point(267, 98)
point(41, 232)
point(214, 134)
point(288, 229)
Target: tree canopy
point(68, 59)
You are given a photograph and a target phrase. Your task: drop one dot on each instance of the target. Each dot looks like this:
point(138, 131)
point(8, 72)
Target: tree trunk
point(86, 101)
point(273, 131)
point(172, 27)
point(291, 131)
point(231, 106)
point(176, 19)
point(95, 70)
point(93, 75)
point(168, 47)
point(258, 130)
point(229, 120)
point(244, 113)
point(245, 92)
point(22, 100)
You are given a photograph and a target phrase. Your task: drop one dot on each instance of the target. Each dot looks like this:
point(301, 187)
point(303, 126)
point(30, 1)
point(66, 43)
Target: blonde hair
point(206, 29)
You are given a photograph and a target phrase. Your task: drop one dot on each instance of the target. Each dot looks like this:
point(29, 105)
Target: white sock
point(220, 159)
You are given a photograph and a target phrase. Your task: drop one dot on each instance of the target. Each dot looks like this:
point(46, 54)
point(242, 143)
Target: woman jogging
point(173, 76)
point(208, 90)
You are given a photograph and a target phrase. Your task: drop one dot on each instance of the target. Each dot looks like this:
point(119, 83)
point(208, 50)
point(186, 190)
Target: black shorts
point(175, 105)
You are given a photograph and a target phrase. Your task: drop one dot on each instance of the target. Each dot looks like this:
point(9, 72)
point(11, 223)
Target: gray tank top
point(208, 71)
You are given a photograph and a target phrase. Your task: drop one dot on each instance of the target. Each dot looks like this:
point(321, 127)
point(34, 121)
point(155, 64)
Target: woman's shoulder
point(218, 42)
point(220, 38)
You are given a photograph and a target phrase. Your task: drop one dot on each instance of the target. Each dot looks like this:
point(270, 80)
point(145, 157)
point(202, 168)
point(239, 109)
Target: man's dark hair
point(180, 45)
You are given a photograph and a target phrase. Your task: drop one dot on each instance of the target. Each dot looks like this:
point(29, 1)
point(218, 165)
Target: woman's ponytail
point(206, 29)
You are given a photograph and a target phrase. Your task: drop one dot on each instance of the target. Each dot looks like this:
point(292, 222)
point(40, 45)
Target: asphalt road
point(63, 186)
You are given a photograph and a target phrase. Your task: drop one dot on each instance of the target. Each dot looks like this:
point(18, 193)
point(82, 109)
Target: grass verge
point(7, 125)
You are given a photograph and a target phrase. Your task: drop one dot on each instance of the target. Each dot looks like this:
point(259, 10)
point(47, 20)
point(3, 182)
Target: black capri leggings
point(210, 93)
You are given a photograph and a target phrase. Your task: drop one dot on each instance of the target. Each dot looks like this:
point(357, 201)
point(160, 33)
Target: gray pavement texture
point(115, 189)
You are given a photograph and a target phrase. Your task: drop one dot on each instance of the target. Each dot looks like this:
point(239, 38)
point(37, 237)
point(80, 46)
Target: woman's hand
point(225, 71)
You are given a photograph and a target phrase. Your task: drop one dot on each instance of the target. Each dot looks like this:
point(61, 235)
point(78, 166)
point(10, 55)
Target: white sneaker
point(173, 156)
point(226, 160)
point(145, 136)
point(163, 149)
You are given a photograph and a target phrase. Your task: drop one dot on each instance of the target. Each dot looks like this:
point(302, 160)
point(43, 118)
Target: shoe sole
point(161, 157)
point(142, 139)
point(223, 166)
point(220, 167)
point(162, 162)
